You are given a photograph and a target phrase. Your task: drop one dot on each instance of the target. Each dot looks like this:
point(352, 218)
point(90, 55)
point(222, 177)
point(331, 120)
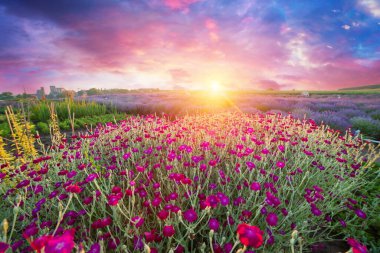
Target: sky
point(190, 44)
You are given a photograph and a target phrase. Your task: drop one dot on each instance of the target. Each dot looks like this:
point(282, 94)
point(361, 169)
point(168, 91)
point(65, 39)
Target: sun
point(215, 87)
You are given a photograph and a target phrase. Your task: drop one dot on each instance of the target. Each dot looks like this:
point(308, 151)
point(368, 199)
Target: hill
point(367, 87)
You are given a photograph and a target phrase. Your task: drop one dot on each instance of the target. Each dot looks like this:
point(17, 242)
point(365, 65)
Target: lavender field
point(341, 112)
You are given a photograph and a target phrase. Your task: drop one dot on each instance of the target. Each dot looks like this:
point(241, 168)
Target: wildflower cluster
point(198, 183)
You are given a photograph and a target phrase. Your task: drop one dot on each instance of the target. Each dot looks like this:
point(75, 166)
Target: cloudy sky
point(255, 44)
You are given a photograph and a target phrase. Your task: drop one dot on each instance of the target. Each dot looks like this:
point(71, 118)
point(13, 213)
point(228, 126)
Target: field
point(196, 172)
point(341, 110)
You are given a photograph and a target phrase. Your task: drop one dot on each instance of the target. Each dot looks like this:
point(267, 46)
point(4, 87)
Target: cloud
point(179, 4)
point(371, 6)
point(269, 85)
point(161, 43)
point(179, 76)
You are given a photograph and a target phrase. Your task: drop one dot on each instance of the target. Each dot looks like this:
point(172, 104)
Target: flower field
point(226, 182)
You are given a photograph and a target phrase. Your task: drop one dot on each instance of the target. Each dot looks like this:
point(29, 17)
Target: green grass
point(86, 114)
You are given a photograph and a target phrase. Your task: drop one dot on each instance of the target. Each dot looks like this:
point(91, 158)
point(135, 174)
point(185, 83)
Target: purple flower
point(138, 221)
point(361, 214)
point(95, 248)
point(213, 224)
point(3, 247)
point(272, 219)
point(255, 186)
point(190, 215)
point(63, 243)
point(168, 231)
point(316, 211)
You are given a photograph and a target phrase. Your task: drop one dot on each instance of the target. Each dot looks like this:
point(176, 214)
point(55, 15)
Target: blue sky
point(284, 44)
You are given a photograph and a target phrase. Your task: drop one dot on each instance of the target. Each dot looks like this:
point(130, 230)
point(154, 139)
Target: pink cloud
point(179, 4)
point(269, 85)
point(180, 75)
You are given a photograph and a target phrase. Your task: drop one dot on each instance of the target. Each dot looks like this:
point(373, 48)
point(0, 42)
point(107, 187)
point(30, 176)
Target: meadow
point(341, 110)
point(194, 172)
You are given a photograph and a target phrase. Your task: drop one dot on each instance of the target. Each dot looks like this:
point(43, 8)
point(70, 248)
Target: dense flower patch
point(218, 182)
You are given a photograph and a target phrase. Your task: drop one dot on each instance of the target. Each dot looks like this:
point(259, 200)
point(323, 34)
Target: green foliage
point(43, 128)
point(367, 126)
point(375, 115)
point(6, 96)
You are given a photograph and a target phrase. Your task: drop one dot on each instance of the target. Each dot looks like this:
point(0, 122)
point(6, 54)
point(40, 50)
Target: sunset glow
point(181, 44)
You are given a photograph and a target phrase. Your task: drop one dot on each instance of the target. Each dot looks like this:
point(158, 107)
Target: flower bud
point(5, 226)
point(295, 234)
point(146, 248)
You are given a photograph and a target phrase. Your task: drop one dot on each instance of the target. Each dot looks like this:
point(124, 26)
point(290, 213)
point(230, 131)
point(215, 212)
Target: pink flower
point(360, 214)
point(163, 214)
point(255, 186)
point(280, 164)
point(168, 231)
point(190, 215)
point(62, 244)
point(357, 247)
point(3, 247)
point(138, 221)
point(250, 236)
point(272, 219)
point(113, 200)
point(213, 224)
point(74, 188)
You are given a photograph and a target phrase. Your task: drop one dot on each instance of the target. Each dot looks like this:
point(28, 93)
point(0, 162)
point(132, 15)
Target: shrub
point(43, 128)
point(367, 126)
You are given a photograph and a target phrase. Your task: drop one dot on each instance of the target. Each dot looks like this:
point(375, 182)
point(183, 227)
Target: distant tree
point(6, 96)
point(93, 91)
point(25, 96)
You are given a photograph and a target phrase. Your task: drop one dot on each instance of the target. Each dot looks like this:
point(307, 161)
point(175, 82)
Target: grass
point(86, 114)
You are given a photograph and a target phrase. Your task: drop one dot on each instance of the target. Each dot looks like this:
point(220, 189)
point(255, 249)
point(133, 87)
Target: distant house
point(56, 92)
point(305, 94)
point(41, 93)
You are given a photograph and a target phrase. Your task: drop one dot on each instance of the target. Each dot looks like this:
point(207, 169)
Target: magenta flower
point(316, 211)
point(357, 247)
point(74, 188)
point(113, 200)
point(250, 165)
point(213, 224)
point(95, 248)
point(360, 214)
point(255, 186)
point(190, 215)
point(168, 231)
point(272, 219)
point(127, 156)
point(62, 244)
point(163, 214)
point(3, 247)
point(91, 177)
point(250, 236)
point(138, 221)
point(280, 164)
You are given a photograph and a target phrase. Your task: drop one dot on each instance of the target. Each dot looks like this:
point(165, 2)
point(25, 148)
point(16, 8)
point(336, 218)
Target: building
point(41, 93)
point(56, 92)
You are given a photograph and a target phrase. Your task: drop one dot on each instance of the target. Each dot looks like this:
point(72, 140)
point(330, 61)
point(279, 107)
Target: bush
point(375, 115)
point(43, 128)
point(191, 183)
point(367, 126)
